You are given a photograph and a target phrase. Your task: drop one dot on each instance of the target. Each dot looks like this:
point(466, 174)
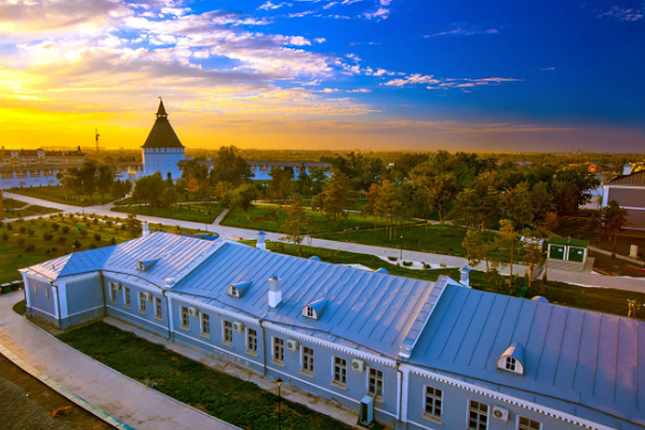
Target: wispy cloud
point(547, 68)
point(620, 13)
point(381, 12)
point(434, 83)
point(463, 31)
point(272, 6)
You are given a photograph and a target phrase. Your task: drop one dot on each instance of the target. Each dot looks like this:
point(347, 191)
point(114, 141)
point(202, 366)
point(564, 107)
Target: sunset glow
point(322, 74)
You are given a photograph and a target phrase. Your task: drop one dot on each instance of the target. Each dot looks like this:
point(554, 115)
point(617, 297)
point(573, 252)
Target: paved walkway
point(234, 233)
point(116, 394)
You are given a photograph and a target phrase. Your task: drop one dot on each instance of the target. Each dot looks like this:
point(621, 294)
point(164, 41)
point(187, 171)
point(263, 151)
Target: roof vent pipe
point(260, 243)
point(275, 292)
point(464, 279)
point(145, 230)
point(627, 169)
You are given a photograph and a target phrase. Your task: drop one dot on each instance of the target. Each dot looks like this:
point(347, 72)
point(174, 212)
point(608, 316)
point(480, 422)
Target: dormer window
point(238, 290)
point(143, 265)
point(315, 309)
point(512, 360)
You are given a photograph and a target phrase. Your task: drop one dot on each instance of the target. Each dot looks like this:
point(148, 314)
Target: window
point(234, 292)
point(251, 340)
point(227, 336)
point(126, 297)
point(206, 324)
point(375, 383)
point(307, 360)
point(142, 302)
point(46, 293)
point(524, 423)
point(477, 416)
point(434, 399)
point(157, 307)
point(35, 289)
point(112, 292)
point(340, 371)
point(510, 364)
point(278, 350)
point(309, 311)
point(184, 317)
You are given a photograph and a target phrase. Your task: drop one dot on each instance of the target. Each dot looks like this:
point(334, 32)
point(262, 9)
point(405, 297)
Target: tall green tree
point(505, 246)
point(295, 223)
point(532, 251)
point(104, 180)
point(245, 194)
point(230, 167)
point(518, 205)
point(195, 170)
point(614, 218)
point(389, 204)
point(281, 185)
point(338, 195)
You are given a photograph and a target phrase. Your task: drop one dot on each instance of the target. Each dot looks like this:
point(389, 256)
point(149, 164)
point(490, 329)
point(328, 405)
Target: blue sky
point(345, 74)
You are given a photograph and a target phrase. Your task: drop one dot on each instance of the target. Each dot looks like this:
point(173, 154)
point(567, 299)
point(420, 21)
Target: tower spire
point(161, 112)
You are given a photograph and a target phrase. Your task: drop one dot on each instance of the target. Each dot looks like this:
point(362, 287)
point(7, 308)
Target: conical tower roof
point(162, 135)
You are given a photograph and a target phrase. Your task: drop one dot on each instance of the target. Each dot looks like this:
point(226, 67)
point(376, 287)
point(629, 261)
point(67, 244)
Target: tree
point(551, 222)
point(244, 196)
point(532, 252)
point(614, 218)
point(541, 201)
point(150, 189)
point(517, 204)
point(281, 185)
point(476, 249)
point(304, 182)
point(88, 174)
point(594, 225)
point(195, 170)
point(295, 222)
point(318, 204)
point(170, 197)
point(389, 204)
point(224, 194)
point(104, 180)
point(337, 196)
point(370, 207)
point(441, 187)
point(318, 177)
point(121, 188)
point(206, 193)
point(505, 242)
point(230, 167)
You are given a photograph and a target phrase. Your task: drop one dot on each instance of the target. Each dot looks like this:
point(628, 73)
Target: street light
point(401, 247)
point(279, 382)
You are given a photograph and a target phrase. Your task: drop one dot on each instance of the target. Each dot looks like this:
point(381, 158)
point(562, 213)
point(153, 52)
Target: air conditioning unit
point(238, 327)
point(292, 345)
point(148, 296)
point(501, 413)
point(193, 312)
point(358, 365)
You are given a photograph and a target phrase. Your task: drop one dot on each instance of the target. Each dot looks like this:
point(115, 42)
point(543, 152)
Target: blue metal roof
point(570, 354)
point(365, 308)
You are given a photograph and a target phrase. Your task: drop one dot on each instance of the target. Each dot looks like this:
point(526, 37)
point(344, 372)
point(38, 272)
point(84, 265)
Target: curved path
point(584, 279)
point(114, 393)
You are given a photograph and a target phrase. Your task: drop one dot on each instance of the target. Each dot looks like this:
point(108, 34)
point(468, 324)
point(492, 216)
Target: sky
point(503, 75)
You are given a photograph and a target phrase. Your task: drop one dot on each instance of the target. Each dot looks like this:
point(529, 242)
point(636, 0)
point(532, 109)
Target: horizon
point(374, 75)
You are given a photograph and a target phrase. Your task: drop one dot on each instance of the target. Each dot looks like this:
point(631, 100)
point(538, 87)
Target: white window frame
point(251, 340)
point(158, 308)
point(307, 360)
point(184, 318)
point(112, 292)
point(342, 371)
point(487, 414)
point(376, 384)
point(204, 324)
point(142, 302)
point(126, 297)
point(46, 293)
point(227, 332)
point(510, 364)
point(519, 427)
point(280, 359)
point(434, 398)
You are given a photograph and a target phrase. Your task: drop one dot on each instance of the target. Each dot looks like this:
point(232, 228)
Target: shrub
point(65, 229)
point(55, 226)
point(30, 247)
point(392, 258)
point(97, 237)
point(95, 221)
point(30, 232)
point(77, 244)
point(1, 224)
point(5, 236)
point(23, 229)
point(62, 240)
point(83, 233)
point(48, 236)
point(113, 241)
point(92, 245)
point(407, 263)
point(21, 241)
point(9, 227)
point(54, 249)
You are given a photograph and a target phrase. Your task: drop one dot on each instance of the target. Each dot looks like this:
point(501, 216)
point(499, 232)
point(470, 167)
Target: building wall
point(632, 198)
point(41, 300)
point(116, 307)
point(84, 301)
point(162, 160)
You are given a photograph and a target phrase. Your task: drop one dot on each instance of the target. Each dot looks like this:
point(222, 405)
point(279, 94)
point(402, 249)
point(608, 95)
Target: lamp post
point(401, 248)
point(279, 382)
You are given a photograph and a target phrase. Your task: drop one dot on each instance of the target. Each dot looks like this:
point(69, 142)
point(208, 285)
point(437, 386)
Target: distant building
point(628, 190)
point(410, 354)
point(40, 157)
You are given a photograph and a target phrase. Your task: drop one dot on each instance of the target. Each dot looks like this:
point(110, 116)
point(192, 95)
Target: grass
point(59, 195)
point(22, 249)
point(18, 209)
point(192, 212)
point(273, 217)
point(229, 398)
point(615, 265)
point(596, 299)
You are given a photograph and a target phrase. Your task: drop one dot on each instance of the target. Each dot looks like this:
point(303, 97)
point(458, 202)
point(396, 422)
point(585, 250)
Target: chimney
point(627, 169)
point(145, 231)
point(275, 293)
point(463, 280)
point(260, 243)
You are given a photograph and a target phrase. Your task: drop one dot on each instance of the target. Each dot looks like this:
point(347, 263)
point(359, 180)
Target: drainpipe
point(57, 303)
point(167, 302)
point(264, 351)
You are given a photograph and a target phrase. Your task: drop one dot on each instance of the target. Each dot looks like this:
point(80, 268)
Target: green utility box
point(568, 249)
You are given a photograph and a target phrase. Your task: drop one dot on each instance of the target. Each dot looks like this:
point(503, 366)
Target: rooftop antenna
point(96, 136)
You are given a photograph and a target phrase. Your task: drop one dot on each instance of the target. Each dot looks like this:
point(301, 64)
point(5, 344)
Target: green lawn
point(58, 195)
point(192, 212)
point(273, 217)
point(229, 398)
point(13, 204)
point(597, 299)
point(22, 249)
point(11, 209)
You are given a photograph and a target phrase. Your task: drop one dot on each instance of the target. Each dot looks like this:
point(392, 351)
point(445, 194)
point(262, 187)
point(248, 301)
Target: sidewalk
point(114, 393)
point(233, 233)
